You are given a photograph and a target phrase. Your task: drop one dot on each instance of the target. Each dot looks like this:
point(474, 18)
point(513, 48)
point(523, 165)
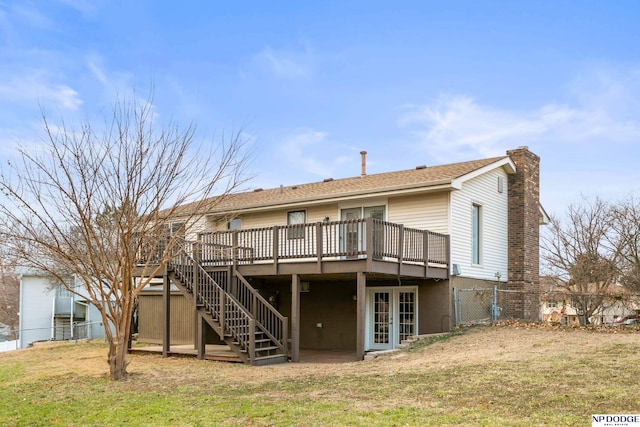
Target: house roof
point(448, 176)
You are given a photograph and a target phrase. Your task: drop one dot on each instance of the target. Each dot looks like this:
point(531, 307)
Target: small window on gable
point(296, 221)
point(176, 229)
point(234, 224)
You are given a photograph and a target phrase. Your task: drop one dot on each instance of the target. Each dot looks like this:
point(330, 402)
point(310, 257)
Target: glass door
point(353, 234)
point(377, 213)
point(349, 235)
point(381, 321)
point(406, 314)
point(391, 316)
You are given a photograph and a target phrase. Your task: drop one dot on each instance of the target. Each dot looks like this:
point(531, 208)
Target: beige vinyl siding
point(482, 191)
point(263, 219)
point(425, 211)
point(279, 217)
point(195, 227)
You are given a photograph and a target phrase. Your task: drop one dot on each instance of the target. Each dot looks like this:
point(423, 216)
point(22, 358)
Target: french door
point(352, 234)
point(391, 316)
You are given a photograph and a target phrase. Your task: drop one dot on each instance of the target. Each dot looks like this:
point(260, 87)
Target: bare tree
point(580, 255)
point(9, 292)
point(99, 204)
point(626, 226)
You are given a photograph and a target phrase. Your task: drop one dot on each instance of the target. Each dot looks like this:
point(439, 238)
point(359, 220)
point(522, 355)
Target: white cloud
point(286, 64)
point(94, 63)
point(88, 8)
point(119, 86)
point(114, 82)
point(312, 151)
point(26, 12)
point(602, 106)
point(34, 86)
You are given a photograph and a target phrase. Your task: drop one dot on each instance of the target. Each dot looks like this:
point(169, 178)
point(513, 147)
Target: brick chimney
point(524, 235)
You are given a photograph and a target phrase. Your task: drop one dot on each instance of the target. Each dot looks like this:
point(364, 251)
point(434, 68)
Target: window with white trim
point(296, 221)
point(234, 224)
point(476, 234)
point(176, 229)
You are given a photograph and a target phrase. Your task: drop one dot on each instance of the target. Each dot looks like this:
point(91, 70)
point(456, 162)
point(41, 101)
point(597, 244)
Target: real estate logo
point(615, 420)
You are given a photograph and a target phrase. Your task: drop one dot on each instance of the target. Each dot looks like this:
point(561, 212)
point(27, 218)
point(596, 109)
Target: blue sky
point(314, 83)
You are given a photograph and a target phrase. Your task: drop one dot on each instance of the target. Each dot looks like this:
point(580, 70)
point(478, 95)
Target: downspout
point(72, 307)
point(20, 311)
point(53, 318)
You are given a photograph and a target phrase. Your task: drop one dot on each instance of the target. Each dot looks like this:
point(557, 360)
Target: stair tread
point(271, 356)
point(266, 348)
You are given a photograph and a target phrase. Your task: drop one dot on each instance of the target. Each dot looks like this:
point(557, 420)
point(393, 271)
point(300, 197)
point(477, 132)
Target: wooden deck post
point(295, 318)
point(361, 308)
point(194, 285)
point(425, 252)
point(319, 241)
point(196, 266)
point(400, 248)
point(200, 335)
point(276, 248)
point(166, 324)
point(369, 246)
point(234, 248)
point(252, 340)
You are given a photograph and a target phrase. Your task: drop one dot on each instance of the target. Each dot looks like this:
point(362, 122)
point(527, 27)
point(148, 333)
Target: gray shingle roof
point(375, 183)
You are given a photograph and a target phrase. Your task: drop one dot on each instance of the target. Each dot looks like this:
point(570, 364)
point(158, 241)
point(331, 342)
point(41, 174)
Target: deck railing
point(361, 238)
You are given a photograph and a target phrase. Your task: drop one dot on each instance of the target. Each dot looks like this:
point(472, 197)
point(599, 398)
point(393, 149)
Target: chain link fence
point(474, 306)
point(10, 339)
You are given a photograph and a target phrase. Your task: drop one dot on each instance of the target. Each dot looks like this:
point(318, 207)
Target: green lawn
point(517, 376)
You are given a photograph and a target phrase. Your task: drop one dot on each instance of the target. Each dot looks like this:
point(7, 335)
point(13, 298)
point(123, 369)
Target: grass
point(485, 376)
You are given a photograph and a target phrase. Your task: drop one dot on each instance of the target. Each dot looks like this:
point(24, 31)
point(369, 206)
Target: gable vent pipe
point(363, 154)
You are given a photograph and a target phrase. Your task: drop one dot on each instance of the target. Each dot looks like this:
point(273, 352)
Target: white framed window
point(176, 229)
point(63, 292)
point(296, 221)
point(476, 233)
point(234, 224)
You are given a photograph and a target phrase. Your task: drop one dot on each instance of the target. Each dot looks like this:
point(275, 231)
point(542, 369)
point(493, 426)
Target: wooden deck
point(363, 245)
point(334, 247)
point(221, 353)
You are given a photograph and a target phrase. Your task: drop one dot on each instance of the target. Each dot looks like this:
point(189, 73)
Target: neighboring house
point(48, 311)
point(354, 264)
point(614, 304)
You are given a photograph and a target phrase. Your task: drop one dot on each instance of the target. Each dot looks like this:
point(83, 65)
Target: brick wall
point(524, 234)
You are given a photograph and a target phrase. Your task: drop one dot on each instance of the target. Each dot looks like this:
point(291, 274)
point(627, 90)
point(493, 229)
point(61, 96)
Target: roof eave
point(506, 163)
point(441, 185)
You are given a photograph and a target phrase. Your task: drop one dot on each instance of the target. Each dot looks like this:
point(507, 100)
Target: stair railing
point(268, 319)
point(234, 319)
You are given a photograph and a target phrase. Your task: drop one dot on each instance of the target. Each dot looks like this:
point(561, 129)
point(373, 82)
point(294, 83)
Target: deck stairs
point(254, 330)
